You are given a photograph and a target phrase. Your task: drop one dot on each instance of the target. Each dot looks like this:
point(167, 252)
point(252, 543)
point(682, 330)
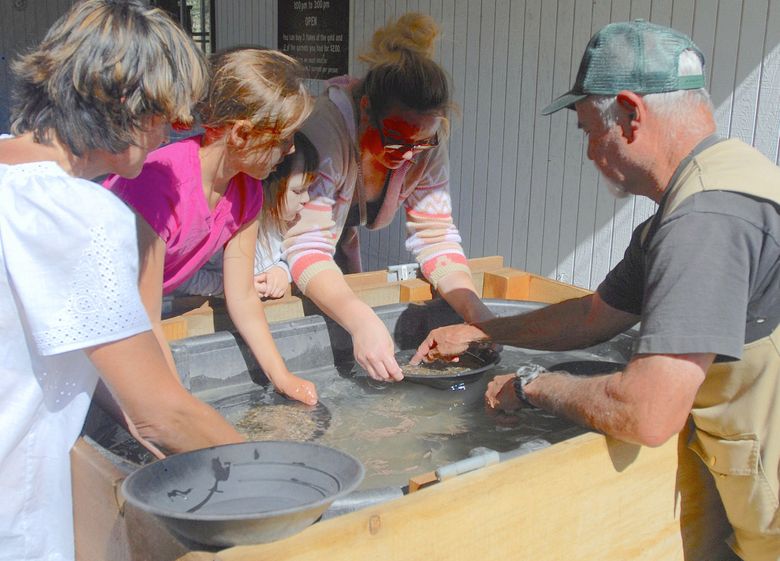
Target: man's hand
point(446, 343)
point(272, 283)
point(501, 395)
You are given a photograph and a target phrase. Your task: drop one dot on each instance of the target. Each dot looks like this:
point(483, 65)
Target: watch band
point(524, 376)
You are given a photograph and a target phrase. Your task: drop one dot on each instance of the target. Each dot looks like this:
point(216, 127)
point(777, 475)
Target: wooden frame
point(586, 498)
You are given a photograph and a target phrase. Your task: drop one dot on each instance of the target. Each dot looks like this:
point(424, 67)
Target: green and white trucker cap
point(637, 56)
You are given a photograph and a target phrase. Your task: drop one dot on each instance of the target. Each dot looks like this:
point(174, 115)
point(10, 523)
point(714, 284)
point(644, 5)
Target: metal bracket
point(402, 272)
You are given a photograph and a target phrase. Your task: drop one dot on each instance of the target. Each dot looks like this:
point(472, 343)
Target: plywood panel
point(621, 502)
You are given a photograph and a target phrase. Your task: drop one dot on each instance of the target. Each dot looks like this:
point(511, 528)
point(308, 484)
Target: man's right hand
point(446, 343)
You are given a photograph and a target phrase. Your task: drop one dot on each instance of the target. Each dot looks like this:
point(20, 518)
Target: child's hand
point(272, 283)
point(296, 388)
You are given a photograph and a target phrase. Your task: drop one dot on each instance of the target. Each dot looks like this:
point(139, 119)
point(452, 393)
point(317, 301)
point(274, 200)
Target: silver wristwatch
point(524, 376)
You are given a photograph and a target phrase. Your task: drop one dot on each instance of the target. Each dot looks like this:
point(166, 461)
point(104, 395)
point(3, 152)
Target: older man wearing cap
point(702, 275)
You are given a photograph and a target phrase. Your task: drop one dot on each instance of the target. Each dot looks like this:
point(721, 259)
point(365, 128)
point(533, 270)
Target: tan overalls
point(736, 411)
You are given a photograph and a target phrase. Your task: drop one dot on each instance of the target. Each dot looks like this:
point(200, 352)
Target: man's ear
point(631, 113)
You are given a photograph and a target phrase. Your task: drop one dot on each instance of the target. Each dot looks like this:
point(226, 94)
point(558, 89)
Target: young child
point(93, 98)
point(203, 193)
point(286, 192)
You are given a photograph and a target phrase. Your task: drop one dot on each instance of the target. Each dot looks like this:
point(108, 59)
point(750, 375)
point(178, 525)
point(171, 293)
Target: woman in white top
point(93, 98)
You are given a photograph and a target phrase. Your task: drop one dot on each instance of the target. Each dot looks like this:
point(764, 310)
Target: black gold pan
point(444, 375)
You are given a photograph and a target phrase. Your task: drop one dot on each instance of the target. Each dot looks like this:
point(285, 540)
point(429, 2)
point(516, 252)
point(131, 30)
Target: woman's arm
point(246, 311)
point(158, 408)
point(151, 249)
point(373, 346)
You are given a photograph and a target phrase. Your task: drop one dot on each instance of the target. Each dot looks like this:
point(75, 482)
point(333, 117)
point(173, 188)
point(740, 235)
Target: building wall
point(521, 184)
point(23, 23)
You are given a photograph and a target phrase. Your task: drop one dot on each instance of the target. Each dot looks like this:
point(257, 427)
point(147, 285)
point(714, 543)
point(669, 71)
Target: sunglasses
point(403, 147)
point(421, 146)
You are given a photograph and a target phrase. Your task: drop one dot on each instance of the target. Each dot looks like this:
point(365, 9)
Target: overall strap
point(652, 226)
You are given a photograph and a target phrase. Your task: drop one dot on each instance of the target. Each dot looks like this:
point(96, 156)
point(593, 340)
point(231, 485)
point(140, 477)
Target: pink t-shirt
point(169, 195)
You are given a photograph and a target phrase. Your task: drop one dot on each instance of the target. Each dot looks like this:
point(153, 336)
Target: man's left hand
point(501, 395)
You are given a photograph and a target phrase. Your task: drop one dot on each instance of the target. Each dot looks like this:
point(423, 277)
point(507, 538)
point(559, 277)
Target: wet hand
point(296, 388)
point(375, 352)
point(446, 343)
point(500, 394)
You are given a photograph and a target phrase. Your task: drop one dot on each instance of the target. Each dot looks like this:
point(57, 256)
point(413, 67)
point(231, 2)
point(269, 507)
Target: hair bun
point(412, 32)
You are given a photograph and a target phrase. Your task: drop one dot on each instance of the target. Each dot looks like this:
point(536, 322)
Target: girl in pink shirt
point(204, 193)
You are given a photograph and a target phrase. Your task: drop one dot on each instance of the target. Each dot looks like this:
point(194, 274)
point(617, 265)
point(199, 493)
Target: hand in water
point(500, 394)
point(296, 388)
point(375, 352)
point(446, 343)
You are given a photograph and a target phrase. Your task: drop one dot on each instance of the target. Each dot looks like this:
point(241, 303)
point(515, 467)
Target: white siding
point(23, 23)
point(521, 185)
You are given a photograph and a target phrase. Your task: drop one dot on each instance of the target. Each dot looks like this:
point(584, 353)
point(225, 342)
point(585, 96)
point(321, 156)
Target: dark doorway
point(196, 17)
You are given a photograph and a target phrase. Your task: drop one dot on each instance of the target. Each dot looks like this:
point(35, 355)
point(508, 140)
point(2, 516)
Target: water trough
point(407, 436)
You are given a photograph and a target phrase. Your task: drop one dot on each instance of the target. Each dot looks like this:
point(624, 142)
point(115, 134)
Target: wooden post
point(415, 290)
point(506, 284)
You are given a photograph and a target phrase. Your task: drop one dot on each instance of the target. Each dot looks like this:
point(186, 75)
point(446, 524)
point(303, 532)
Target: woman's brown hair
point(402, 70)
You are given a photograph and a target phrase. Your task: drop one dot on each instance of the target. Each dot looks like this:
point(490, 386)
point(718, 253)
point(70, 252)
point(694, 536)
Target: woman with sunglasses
point(381, 145)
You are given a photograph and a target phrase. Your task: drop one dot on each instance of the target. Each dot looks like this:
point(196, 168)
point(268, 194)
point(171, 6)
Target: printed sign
point(316, 33)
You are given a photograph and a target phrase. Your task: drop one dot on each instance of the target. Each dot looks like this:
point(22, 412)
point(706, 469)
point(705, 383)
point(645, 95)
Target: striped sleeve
point(432, 238)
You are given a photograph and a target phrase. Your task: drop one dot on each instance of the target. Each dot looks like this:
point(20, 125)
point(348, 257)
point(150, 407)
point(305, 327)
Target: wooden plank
point(621, 502)
point(507, 284)
point(414, 290)
point(389, 293)
point(482, 264)
point(107, 528)
point(175, 328)
point(357, 281)
point(283, 309)
point(541, 289)
point(423, 480)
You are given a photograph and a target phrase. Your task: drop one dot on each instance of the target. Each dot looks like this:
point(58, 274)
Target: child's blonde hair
point(275, 185)
point(403, 71)
point(261, 86)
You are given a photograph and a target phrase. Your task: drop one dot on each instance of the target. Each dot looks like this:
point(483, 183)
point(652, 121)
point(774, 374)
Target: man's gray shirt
point(711, 270)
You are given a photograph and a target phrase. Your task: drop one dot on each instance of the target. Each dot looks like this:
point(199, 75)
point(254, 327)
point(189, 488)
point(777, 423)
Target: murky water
point(404, 429)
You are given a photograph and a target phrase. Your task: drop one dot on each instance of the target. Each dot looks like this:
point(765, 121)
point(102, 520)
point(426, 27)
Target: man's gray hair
point(675, 106)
